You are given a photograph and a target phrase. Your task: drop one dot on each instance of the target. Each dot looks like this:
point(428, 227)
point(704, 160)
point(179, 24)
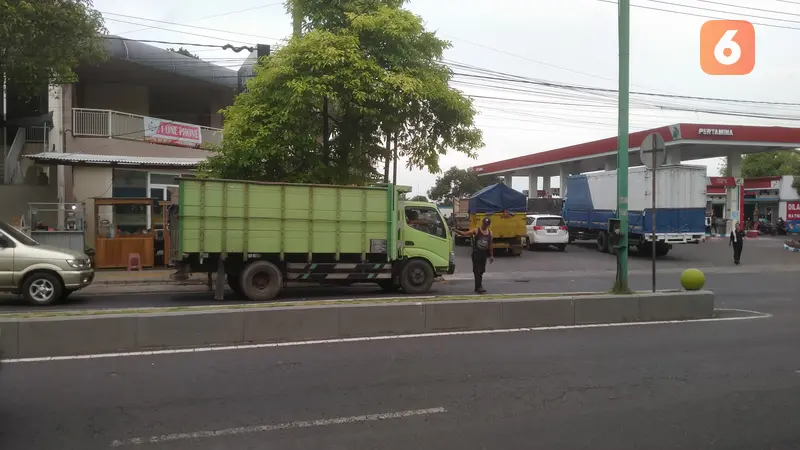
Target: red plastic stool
point(134, 262)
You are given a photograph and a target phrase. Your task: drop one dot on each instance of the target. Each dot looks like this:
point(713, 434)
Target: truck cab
point(425, 234)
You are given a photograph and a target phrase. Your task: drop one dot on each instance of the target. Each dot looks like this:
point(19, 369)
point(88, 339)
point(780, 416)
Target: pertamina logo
point(727, 47)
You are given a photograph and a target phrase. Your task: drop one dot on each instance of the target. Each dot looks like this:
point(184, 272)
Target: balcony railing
point(119, 125)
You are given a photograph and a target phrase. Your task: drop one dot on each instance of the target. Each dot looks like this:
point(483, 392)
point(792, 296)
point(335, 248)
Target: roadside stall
point(122, 231)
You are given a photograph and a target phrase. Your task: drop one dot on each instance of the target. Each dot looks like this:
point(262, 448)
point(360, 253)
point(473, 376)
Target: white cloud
point(533, 38)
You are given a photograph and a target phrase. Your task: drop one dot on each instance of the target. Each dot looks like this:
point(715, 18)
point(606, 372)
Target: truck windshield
point(17, 235)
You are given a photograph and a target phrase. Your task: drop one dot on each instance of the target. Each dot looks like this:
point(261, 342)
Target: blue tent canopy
point(498, 198)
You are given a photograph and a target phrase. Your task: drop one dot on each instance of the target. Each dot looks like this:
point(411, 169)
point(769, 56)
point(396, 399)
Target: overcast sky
point(565, 41)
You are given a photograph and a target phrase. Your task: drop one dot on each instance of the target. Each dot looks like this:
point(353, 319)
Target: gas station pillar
point(507, 180)
point(533, 184)
point(564, 171)
point(673, 156)
point(546, 184)
point(735, 207)
point(611, 163)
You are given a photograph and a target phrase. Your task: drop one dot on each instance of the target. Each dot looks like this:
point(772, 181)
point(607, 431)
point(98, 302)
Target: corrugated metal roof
point(83, 159)
point(162, 59)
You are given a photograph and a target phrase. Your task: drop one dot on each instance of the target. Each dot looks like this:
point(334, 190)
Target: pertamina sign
point(715, 132)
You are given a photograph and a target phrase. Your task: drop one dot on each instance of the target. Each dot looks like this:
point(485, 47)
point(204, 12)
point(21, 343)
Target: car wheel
point(42, 289)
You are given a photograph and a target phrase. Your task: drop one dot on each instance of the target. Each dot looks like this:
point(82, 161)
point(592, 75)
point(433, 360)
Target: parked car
point(545, 230)
point(43, 275)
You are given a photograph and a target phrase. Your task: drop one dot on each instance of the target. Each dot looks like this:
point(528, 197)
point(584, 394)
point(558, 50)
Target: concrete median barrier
point(29, 336)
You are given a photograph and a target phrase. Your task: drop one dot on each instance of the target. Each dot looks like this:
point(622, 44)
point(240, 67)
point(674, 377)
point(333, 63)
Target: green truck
point(258, 237)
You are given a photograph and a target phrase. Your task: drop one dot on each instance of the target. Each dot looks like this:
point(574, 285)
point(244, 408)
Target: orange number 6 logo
point(727, 47)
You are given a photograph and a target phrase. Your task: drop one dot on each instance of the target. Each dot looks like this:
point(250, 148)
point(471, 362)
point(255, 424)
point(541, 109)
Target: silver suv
point(42, 274)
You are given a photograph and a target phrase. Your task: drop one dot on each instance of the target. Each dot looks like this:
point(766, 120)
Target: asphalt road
point(703, 385)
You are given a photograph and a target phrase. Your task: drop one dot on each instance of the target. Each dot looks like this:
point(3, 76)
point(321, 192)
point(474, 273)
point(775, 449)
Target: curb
point(55, 336)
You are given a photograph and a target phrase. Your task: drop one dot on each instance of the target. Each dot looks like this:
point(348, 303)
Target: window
point(129, 183)
point(550, 222)
point(169, 179)
point(426, 219)
point(529, 220)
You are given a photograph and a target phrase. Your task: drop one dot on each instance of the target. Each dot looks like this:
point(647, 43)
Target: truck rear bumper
point(688, 238)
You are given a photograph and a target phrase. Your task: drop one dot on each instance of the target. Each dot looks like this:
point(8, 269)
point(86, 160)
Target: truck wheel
point(235, 284)
point(42, 289)
point(416, 277)
point(662, 249)
point(388, 285)
point(261, 281)
point(602, 242)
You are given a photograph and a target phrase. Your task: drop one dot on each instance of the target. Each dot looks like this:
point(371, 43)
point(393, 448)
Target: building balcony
point(102, 123)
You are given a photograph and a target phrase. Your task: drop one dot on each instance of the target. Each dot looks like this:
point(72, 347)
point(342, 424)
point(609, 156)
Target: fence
point(119, 125)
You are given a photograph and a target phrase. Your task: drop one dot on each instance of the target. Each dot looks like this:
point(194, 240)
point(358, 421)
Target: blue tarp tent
point(496, 199)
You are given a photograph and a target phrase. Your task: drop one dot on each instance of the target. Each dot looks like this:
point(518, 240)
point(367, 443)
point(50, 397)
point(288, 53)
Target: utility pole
point(326, 133)
point(621, 284)
point(388, 158)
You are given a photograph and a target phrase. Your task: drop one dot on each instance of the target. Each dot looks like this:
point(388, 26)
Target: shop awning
point(142, 162)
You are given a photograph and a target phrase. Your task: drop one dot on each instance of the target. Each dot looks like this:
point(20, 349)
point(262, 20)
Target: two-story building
point(126, 129)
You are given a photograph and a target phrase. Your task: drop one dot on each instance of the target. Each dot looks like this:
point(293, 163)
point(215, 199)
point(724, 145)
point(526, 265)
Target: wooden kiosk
point(120, 230)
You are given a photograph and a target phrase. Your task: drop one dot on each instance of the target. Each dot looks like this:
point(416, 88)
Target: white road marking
point(277, 427)
point(757, 315)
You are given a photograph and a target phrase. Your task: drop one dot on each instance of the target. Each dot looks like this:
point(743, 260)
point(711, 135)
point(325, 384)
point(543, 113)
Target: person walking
point(737, 242)
point(482, 249)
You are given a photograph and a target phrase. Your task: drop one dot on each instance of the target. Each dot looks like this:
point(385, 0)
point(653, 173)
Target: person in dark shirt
point(482, 249)
point(737, 242)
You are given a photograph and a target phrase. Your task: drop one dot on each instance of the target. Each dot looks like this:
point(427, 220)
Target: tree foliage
point(42, 41)
point(184, 52)
point(419, 198)
point(382, 74)
point(459, 183)
point(769, 164)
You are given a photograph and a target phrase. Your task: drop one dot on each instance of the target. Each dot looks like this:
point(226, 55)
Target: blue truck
point(591, 201)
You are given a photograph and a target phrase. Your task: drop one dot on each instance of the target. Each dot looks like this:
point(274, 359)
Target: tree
point(769, 164)
point(42, 41)
point(382, 76)
point(184, 52)
point(459, 183)
point(419, 198)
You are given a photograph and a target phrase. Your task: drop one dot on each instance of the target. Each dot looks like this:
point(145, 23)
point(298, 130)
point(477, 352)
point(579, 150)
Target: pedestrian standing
point(737, 242)
point(482, 250)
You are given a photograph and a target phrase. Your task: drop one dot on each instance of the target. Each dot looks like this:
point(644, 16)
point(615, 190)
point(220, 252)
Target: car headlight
point(79, 263)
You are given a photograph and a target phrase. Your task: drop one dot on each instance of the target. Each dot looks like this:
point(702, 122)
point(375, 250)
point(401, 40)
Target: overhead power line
point(700, 8)
point(236, 49)
point(176, 31)
point(187, 26)
point(703, 16)
point(228, 13)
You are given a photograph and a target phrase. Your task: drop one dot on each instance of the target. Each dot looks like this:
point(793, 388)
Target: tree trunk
point(387, 160)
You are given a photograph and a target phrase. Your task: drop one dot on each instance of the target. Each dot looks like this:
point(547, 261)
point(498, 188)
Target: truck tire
point(388, 285)
point(416, 277)
point(261, 281)
point(235, 283)
point(662, 249)
point(602, 242)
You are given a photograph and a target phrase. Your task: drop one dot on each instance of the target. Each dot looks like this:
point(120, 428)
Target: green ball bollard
point(693, 280)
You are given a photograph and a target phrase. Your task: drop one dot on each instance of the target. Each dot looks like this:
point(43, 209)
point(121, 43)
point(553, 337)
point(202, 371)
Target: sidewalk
point(155, 276)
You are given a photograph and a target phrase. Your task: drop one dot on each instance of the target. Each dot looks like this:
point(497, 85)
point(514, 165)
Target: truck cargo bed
point(292, 221)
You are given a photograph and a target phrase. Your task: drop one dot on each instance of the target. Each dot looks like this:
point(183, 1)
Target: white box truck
point(591, 200)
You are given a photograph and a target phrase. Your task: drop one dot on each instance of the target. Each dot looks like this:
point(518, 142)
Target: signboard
point(715, 132)
point(722, 181)
point(172, 133)
point(653, 151)
point(793, 217)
